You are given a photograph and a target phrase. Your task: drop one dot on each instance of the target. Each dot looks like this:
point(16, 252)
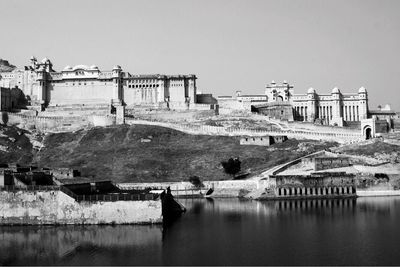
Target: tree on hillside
point(196, 181)
point(232, 166)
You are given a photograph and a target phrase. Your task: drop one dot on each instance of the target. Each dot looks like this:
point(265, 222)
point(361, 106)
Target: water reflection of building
point(232, 206)
point(312, 204)
point(51, 245)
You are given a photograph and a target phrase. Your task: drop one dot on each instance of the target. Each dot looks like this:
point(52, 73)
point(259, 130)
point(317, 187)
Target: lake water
point(365, 231)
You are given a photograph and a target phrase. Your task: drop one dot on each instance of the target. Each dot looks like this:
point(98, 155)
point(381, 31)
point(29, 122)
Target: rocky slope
point(151, 153)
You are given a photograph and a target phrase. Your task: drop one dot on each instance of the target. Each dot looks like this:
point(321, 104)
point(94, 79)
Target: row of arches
point(351, 113)
point(300, 113)
point(315, 191)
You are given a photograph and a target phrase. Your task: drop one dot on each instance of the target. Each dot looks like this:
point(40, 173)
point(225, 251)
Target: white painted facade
point(86, 85)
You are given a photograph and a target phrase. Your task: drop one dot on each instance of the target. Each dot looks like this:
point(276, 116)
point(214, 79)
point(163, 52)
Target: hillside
point(15, 146)
point(376, 149)
point(6, 66)
point(150, 153)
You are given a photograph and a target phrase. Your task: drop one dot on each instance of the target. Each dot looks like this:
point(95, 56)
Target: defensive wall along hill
point(329, 134)
point(56, 122)
point(71, 123)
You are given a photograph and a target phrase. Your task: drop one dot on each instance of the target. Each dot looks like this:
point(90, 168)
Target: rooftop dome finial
point(335, 90)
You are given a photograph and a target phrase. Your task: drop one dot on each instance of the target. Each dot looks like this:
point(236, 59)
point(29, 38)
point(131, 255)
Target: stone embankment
point(228, 188)
point(251, 189)
point(377, 193)
point(52, 206)
point(56, 123)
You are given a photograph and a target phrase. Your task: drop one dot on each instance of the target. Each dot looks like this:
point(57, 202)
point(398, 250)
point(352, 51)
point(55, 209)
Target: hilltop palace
point(279, 101)
point(41, 88)
point(83, 85)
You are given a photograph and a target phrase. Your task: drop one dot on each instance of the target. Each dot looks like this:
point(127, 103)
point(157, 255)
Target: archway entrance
point(368, 133)
point(279, 98)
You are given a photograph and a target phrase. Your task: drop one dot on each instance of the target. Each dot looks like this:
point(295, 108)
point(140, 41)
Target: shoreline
point(377, 193)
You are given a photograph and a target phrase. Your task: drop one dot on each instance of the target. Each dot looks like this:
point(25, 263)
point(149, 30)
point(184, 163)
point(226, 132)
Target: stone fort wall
point(338, 136)
point(55, 207)
point(56, 123)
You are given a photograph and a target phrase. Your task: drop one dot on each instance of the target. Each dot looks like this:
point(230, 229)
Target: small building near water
point(315, 185)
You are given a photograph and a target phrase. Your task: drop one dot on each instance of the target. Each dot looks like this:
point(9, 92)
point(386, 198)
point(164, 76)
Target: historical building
point(280, 101)
point(87, 85)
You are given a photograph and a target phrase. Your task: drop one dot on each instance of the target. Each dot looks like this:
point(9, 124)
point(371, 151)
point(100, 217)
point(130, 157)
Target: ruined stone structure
point(324, 163)
point(262, 140)
point(87, 85)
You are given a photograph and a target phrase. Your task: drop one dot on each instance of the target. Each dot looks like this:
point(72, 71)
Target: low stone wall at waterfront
point(228, 188)
point(55, 207)
point(377, 193)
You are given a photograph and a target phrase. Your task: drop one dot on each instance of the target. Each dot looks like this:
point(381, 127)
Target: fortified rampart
point(338, 136)
point(52, 206)
point(57, 123)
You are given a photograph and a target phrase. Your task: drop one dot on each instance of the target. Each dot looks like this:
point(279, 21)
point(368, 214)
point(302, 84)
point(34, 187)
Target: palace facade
point(280, 101)
point(87, 85)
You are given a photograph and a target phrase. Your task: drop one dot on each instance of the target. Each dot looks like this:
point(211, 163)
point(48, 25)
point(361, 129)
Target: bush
point(232, 166)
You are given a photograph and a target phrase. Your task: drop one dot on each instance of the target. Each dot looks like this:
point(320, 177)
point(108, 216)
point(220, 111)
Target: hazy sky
point(230, 45)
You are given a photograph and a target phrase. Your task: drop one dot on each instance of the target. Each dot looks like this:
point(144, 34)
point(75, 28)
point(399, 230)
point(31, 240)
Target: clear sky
point(229, 44)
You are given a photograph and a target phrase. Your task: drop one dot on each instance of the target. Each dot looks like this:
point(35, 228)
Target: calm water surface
point(365, 231)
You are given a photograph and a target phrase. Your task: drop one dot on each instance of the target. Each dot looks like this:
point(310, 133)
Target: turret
point(42, 86)
point(117, 85)
point(336, 116)
point(363, 103)
point(33, 62)
point(192, 88)
point(311, 105)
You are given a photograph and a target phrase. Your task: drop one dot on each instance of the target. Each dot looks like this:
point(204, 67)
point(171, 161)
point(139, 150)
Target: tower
point(279, 93)
point(311, 105)
point(336, 103)
point(192, 88)
point(117, 85)
point(41, 88)
point(363, 103)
